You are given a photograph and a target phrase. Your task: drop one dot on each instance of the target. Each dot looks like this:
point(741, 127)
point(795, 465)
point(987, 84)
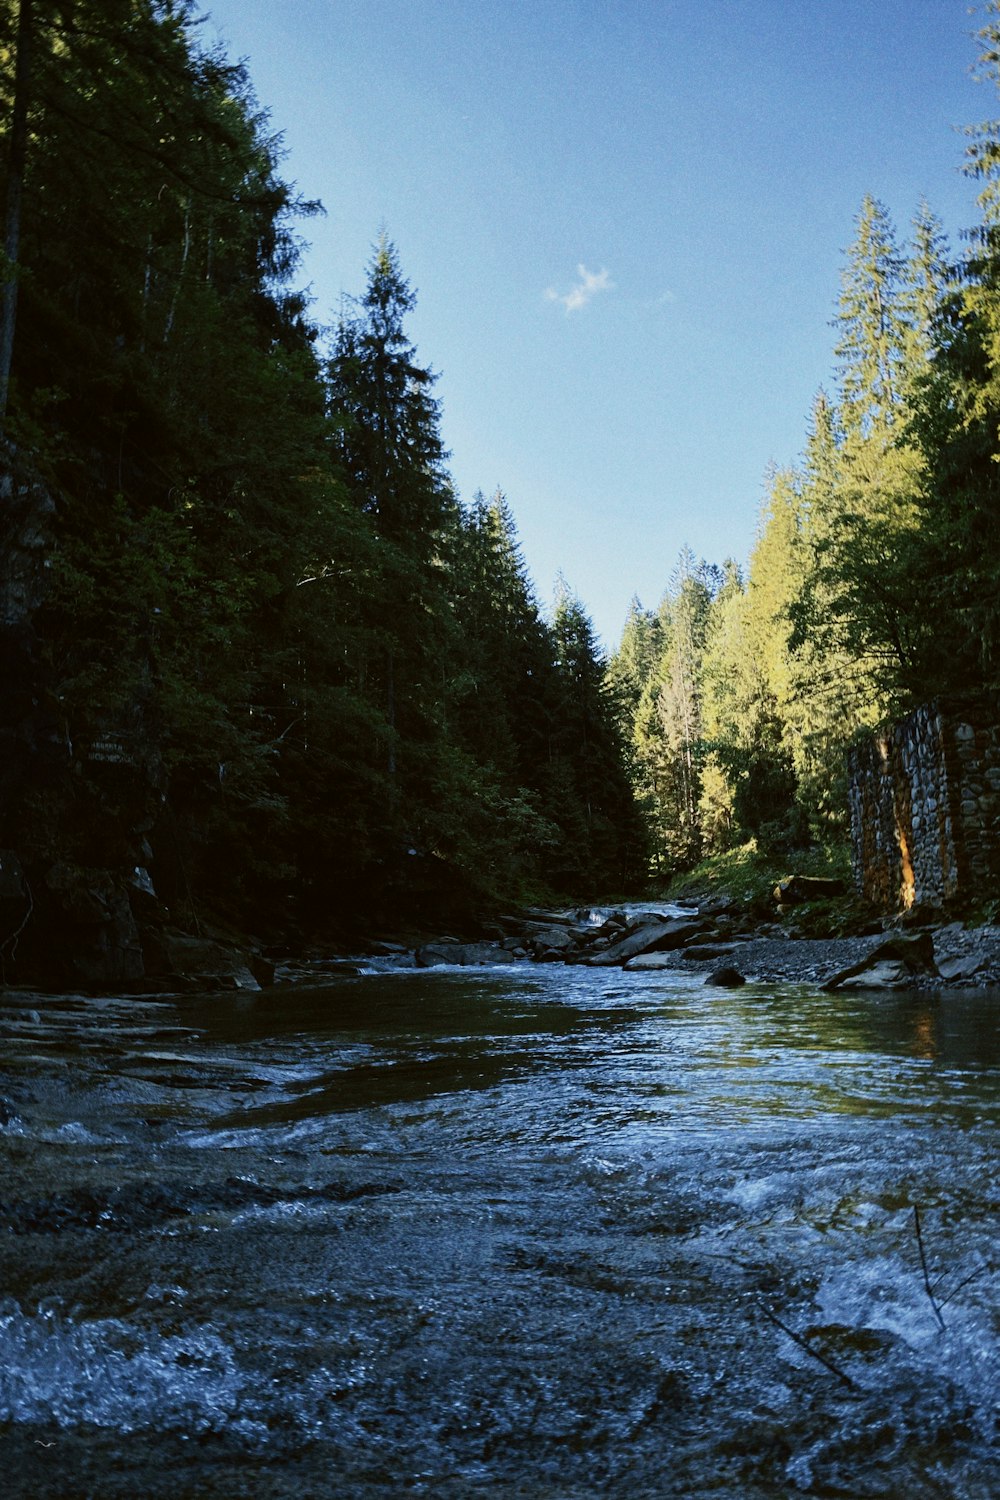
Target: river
point(530, 1232)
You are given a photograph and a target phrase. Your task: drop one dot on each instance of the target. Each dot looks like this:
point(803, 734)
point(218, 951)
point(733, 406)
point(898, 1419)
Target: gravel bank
point(975, 951)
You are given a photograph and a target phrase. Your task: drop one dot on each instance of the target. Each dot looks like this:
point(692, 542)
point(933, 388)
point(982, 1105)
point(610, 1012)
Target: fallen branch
point(964, 1282)
point(923, 1263)
point(805, 1344)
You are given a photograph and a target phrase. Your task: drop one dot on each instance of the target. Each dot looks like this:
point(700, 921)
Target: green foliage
point(306, 656)
point(874, 580)
point(264, 606)
point(657, 673)
point(589, 790)
point(748, 874)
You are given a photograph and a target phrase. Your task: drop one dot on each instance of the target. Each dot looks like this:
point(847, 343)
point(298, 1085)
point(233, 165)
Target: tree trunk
point(390, 706)
point(15, 194)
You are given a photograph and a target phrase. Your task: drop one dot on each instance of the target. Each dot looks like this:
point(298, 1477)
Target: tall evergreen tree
point(748, 782)
point(955, 557)
point(392, 459)
point(637, 657)
point(865, 529)
point(872, 326)
point(165, 381)
point(590, 792)
point(502, 701)
point(667, 727)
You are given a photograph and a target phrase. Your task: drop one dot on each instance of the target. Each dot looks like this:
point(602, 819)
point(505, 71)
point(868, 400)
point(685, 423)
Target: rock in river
point(726, 978)
point(465, 954)
point(651, 937)
point(891, 965)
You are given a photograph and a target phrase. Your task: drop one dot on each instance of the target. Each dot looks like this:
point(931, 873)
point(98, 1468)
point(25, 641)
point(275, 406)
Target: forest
point(258, 657)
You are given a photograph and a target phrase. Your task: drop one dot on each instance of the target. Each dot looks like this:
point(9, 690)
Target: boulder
point(963, 966)
point(726, 978)
point(588, 916)
point(548, 918)
point(466, 955)
point(651, 937)
point(212, 964)
point(96, 927)
point(921, 914)
point(606, 932)
point(262, 969)
point(541, 940)
point(652, 961)
point(893, 964)
point(878, 974)
point(710, 950)
point(583, 932)
point(795, 889)
point(718, 906)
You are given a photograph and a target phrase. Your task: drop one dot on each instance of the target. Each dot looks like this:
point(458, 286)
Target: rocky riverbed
point(813, 933)
point(722, 945)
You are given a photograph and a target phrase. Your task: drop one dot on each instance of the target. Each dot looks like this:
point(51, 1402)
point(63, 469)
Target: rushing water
point(532, 1232)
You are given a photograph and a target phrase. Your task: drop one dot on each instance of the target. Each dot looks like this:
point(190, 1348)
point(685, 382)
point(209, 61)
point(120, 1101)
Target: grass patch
point(748, 875)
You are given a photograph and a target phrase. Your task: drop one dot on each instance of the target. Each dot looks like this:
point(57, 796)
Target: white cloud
point(589, 284)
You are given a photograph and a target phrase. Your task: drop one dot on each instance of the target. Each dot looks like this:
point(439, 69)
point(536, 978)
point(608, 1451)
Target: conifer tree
point(747, 782)
point(164, 379)
point(590, 793)
point(872, 327)
point(863, 525)
point(667, 727)
point(855, 652)
point(955, 556)
point(636, 658)
point(392, 460)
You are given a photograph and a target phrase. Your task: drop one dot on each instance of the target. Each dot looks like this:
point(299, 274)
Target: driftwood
point(805, 1344)
point(923, 1266)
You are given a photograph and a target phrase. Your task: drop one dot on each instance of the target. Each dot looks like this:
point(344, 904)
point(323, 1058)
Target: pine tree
point(667, 731)
point(392, 459)
point(747, 783)
point(857, 650)
point(955, 556)
point(864, 524)
point(164, 378)
point(930, 278)
point(636, 658)
point(502, 701)
point(872, 327)
point(590, 792)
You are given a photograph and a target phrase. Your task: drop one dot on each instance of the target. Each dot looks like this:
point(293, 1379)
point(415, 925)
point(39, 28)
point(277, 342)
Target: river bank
point(720, 945)
point(805, 929)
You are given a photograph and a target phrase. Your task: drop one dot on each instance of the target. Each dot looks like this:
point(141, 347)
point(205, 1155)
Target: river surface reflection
point(536, 1231)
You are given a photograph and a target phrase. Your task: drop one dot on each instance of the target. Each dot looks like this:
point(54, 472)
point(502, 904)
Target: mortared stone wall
point(924, 799)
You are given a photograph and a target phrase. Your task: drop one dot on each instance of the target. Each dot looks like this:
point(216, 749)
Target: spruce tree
point(392, 460)
point(667, 727)
point(955, 557)
point(590, 795)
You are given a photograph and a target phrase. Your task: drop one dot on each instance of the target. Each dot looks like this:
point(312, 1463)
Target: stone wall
point(925, 805)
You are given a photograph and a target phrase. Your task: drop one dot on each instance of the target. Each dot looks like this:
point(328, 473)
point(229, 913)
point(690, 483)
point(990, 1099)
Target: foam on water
point(108, 1373)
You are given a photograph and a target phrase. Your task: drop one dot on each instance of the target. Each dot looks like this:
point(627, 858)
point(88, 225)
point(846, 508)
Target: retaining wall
point(925, 805)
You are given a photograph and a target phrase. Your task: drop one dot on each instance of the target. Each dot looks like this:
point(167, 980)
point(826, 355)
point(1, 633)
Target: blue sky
point(625, 222)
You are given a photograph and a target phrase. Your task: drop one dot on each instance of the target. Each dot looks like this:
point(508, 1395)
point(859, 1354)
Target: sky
point(625, 223)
